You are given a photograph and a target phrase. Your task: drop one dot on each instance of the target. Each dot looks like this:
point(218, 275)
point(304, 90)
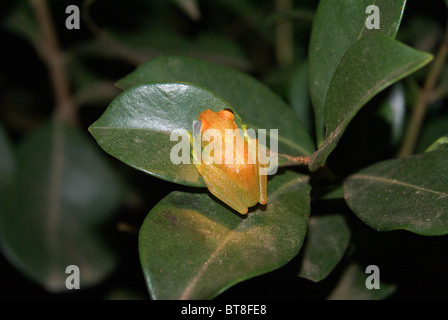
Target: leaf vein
point(395, 181)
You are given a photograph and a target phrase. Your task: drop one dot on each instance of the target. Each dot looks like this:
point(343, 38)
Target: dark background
point(417, 265)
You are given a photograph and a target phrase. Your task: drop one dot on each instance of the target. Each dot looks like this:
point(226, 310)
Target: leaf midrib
point(396, 182)
point(280, 138)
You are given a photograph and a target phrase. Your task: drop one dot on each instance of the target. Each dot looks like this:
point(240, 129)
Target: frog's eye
point(226, 115)
point(197, 128)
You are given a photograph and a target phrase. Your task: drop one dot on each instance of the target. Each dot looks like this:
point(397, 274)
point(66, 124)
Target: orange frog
point(238, 183)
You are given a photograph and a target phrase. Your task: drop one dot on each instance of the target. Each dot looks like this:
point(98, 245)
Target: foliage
point(349, 102)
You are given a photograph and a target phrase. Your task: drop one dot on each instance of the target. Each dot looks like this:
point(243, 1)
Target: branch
point(65, 108)
point(285, 160)
point(424, 99)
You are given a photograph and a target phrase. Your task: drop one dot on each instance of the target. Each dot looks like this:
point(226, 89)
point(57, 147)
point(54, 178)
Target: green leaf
point(352, 286)
point(434, 127)
point(299, 94)
point(327, 239)
point(192, 247)
point(369, 66)
point(137, 125)
point(336, 27)
point(257, 105)
point(407, 193)
point(440, 143)
point(62, 195)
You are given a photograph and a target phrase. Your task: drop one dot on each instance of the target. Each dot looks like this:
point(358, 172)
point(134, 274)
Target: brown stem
point(65, 108)
point(290, 160)
point(300, 161)
point(423, 100)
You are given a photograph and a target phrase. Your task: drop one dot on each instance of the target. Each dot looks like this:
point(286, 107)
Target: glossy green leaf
point(370, 65)
point(327, 239)
point(257, 105)
point(352, 286)
point(137, 125)
point(62, 195)
point(193, 247)
point(336, 27)
point(407, 193)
